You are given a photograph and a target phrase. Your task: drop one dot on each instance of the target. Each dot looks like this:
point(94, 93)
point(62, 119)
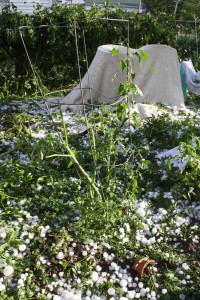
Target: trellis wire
point(46, 101)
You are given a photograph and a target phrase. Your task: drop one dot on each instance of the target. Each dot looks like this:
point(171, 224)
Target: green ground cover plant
point(72, 233)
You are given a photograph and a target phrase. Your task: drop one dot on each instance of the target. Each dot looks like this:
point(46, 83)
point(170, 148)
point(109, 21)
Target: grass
point(79, 206)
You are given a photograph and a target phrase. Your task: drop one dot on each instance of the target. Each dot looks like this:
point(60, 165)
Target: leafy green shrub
point(187, 47)
point(52, 49)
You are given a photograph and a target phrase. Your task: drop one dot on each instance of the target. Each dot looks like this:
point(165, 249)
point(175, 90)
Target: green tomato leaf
point(70, 164)
point(132, 76)
point(145, 163)
point(122, 89)
point(115, 52)
point(122, 64)
point(135, 184)
point(144, 55)
point(121, 111)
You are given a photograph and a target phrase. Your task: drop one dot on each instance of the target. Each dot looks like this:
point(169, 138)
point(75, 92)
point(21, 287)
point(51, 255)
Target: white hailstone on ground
point(146, 227)
point(8, 270)
point(153, 294)
point(140, 285)
point(21, 282)
point(61, 274)
point(2, 234)
point(144, 241)
point(84, 253)
point(141, 212)
point(71, 253)
point(137, 295)
point(123, 298)
point(88, 293)
point(129, 279)
point(56, 297)
point(125, 240)
point(111, 291)
point(94, 276)
point(98, 268)
point(104, 274)
point(121, 230)
point(124, 289)
point(123, 283)
point(114, 266)
point(162, 211)
point(131, 294)
point(136, 278)
point(50, 287)
point(42, 233)
point(154, 230)
point(152, 240)
point(15, 252)
point(23, 276)
point(164, 291)
point(128, 229)
point(138, 237)
point(31, 236)
point(7, 254)
point(2, 287)
point(143, 292)
point(60, 255)
point(22, 248)
point(105, 255)
point(185, 266)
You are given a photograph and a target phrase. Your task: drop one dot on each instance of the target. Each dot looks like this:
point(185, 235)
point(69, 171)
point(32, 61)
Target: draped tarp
point(158, 77)
point(192, 77)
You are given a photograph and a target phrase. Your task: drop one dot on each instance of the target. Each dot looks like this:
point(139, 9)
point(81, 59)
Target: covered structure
point(158, 77)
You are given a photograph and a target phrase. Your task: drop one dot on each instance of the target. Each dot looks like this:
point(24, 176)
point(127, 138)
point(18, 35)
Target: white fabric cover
point(192, 77)
point(158, 78)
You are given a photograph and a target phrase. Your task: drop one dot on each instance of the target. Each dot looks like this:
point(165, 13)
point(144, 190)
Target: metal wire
point(120, 99)
point(196, 37)
point(69, 22)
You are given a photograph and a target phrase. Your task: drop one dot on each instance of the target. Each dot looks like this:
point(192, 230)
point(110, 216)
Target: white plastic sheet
point(158, 78)
point(192, 77)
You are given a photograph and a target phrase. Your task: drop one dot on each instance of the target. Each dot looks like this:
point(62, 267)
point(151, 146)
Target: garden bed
point(83, 197)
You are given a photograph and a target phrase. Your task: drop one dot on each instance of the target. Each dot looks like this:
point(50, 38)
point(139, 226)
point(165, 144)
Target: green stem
point(77, 164)
point(75, 161)
point(9, 151)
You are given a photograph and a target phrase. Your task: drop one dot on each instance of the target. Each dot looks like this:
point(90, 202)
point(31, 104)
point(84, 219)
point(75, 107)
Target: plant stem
point(77, 164)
